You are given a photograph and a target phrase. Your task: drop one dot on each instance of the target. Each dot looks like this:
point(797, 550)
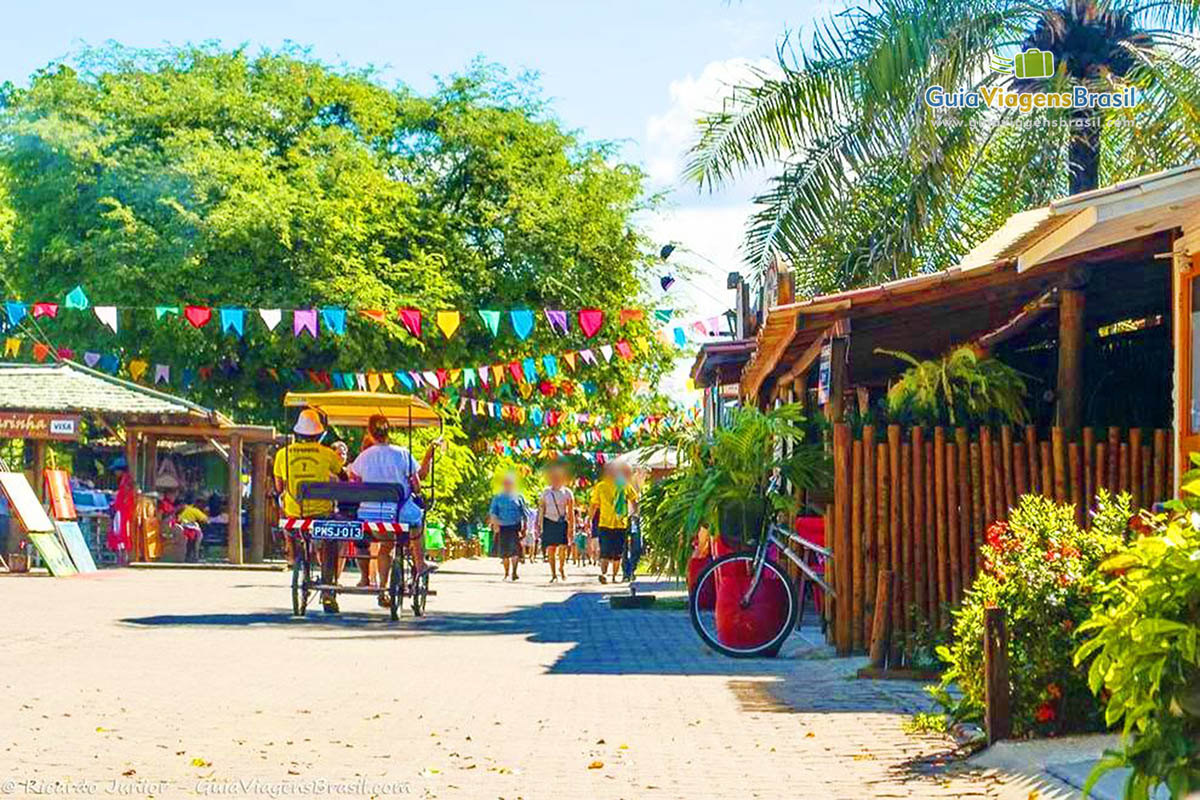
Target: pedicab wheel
point(299, 590)
point(420, 593)
point(396, 590)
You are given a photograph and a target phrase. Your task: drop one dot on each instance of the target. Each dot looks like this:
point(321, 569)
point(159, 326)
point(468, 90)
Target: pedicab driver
point(303, 461)
point(384, 462)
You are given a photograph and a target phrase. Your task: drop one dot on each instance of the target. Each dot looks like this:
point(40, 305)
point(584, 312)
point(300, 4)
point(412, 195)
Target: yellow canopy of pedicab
point(353, 409)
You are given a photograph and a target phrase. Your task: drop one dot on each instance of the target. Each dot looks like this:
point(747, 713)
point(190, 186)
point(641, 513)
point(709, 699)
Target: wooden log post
point(859, 588)
point(843, 637)
point(1020, 467)
point(953, 542)
point(883, 487)
point(1003, 500)
point(939, 499)
point(1135, 467)
point(920, 527)
point(989, 491)
point(260, 477)
point(1060, 465)
point(1047, 470)
point(880, 629)
point(1114, 460)
point(997, 692)
point(899, 549)
point(1101, 481)
point(1076, 466)
point(838, 374)
point(1089, 475)
point(1070, 360)
point(931, 528)
point(38, 480)
point(235, 500)
point(917, 605)
point(870, 543)
point(1123, 469)
point(1160, 466)
point(980, 524)
point(1147, 476)
point(962, 449)
point(1006, 456)
point(1031, 451)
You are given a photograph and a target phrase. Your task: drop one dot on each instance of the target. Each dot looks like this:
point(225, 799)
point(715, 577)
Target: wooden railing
point(917, 502)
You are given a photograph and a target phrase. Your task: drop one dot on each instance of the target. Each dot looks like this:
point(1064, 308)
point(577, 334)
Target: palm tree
point(873, 184)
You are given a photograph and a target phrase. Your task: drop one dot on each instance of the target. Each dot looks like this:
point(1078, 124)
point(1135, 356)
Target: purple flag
point(304, 319)
point(557, 320)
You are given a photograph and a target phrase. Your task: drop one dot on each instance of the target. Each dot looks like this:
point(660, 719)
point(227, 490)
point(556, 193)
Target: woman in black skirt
point(556, 521)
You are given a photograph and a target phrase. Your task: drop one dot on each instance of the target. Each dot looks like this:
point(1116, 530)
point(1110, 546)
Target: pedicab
point(350, 409)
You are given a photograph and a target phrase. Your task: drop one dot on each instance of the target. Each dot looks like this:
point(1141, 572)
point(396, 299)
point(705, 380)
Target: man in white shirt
point(383, 462)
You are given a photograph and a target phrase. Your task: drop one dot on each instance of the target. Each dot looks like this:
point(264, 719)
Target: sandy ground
point(172, 683)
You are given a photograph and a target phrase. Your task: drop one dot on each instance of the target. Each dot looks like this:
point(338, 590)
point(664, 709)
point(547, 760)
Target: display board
point(58, 490)
point(24, 503)
point(53, 555)
point(72, 537)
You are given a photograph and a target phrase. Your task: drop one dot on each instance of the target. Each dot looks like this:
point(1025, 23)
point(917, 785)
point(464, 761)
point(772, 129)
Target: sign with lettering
point(34, 425)
point(824, 373)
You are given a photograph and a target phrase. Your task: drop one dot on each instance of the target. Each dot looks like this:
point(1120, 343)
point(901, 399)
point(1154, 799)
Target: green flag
point(491, 319)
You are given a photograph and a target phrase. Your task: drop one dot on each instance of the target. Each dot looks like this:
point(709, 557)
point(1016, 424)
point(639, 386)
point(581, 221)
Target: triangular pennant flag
point(454, 375)
point(431, 379)
point(713, 326)
point(642, 343)
point(304, 320)
point(557, 320)
point(491, 319)
point(334, 319)
point(443, 378)
point(45, 310)
point(137, 368)
point(360, 380)
point(588, 356)
point(666, 282)
point(65, 353)
point(525, 389)
point(107, 315)
point(389, 380)
point(522, 322)
point(162, 374)
point(469, 379)
point(91, 359)
point(77, 299)
point(551, 365)
point(109, 363)
point(197, 315)
point(373, 381)
point(40, 351)
point(411, 319)
point(12, 347)
point(270, 317)
point(632, 315)
point(163, 311)
point(590, 319)
point(514, 368)
point(606, 351)
point(233, 319)
point(529, 369)
point(680, 337)
point(405, 380)
point(448, 322)
point(570, 359)
point(188, 377)
point(374, 314)
point(623, 350)
point(16, 312)
point(664, 314)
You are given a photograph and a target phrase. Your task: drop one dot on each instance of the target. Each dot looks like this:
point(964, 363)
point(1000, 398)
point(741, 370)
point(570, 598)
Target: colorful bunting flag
point(16, 312)
point(198, 316)
point(529, 370)
point(91, 359)
point(162, 374)
point(588, 356)
point(137, 368)
point(680, 337)
point(551, 365)
point(12, 347)
point(107, 315)
point(491, 319)
point(77, 299)
point(232, 319)
point(606, 351)
point(40, 351)
point(164, 311)
point(271, 317)
point(448, 322)
point(522, 322)
point(45, 310)
point(590, 320)
point(557, 320)
point(632, 315)
point(334, 320)
point(411, 319)
point(623, 350)
point(570, 359)
point(304, 320)
point(664, 314)
point(374, 314)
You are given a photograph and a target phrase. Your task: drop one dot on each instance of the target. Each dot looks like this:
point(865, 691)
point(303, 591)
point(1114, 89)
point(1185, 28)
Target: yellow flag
point(642, 343)
point(525, 389)
point(448, 322)
point(389, 380)
point(373, 381)
point(12, 346)
point(137, 368)
point(455, 374)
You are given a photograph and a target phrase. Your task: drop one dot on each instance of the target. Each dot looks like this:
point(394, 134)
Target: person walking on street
point(556, 521)
point(506, 516)
point(614, 499)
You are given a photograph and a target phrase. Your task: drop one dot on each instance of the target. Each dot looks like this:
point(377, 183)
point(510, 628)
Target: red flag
point(40, 351)
point(632, 315)
point(411, 318)
point(517, 373)
point(197, 315)
point(590, 319)
point(624, 350)
point(45, 310)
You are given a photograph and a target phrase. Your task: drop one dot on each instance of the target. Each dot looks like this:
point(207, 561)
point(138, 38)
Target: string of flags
point(544, 373)
point(332, 320)
point(556, 442)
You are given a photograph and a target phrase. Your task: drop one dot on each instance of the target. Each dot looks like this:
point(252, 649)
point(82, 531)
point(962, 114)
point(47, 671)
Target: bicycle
point(769, 607)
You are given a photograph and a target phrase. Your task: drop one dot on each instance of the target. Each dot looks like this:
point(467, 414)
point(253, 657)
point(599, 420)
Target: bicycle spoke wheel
point(736, 625)
point(396, 589)
point(299, 587)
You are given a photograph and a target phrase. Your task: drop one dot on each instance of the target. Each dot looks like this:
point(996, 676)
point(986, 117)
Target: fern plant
point(957, 389)
point(724, 478)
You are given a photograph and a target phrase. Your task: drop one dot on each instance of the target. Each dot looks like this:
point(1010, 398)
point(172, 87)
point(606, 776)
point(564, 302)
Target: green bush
point(1042, 570)
point(1144, 652)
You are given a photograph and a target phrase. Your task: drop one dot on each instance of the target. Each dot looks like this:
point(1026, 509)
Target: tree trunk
point(1085, 150)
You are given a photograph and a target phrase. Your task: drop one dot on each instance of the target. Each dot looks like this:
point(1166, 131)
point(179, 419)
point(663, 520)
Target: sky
point(634, 72)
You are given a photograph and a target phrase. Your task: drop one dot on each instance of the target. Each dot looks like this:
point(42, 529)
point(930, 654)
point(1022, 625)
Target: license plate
point(336, 529)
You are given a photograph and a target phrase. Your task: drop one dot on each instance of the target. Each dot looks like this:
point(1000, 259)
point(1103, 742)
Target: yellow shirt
point(306, 462)
point(604, 497)
point(189, 514)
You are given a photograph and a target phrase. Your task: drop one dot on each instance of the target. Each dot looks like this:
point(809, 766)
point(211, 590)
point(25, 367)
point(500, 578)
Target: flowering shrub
point(1042, 570)
point(1143, 654)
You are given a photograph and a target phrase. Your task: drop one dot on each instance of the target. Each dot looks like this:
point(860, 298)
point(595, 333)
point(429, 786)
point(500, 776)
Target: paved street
point(527, 690)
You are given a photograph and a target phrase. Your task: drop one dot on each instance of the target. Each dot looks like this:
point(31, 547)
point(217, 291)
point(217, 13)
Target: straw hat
point(309, 424)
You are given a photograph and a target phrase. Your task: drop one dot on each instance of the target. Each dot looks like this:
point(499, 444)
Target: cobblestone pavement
point(526, 690)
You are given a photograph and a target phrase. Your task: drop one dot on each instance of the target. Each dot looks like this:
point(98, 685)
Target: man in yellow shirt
point(190, 518)
point(303, 461)
point(615, 498)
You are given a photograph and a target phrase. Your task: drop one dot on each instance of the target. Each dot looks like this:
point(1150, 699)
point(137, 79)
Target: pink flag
point(411, 318)
point(304, 319)
point(590, 319)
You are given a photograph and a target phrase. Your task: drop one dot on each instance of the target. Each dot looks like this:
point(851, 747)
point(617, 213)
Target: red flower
point(1045, 712)
point(996, 533)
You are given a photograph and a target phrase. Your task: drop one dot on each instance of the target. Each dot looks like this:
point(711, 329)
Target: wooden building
point(1094, 297)
point(40, 403)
